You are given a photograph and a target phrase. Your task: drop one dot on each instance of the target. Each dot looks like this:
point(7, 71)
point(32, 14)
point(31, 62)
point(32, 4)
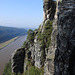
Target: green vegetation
point(7, 70)
point(45, 37)
point(24, 44)
point(30, 37)
point(32, 70)
point(47, 32)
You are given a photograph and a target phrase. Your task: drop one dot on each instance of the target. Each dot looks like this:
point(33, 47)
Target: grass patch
point(7, 70)
point(32, 70)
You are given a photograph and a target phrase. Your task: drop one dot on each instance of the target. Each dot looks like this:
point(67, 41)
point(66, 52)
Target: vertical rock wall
point(37, 53)
point(64, 29)
point(49, 63)
point(64, 55)
point(49, 9)
point(17, 61)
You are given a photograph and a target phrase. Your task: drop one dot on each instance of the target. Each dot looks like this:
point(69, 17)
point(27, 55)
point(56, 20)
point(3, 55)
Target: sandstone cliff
point(65, 52)
point(50, 47)
point(39, 46)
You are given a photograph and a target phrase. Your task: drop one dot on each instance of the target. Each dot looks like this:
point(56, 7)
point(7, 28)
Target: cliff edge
point(49, 50)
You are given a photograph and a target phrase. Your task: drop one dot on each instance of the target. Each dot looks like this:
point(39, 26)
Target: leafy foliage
point(45, 37)
point(47, 33)
point(30, 37)
point(7, 70)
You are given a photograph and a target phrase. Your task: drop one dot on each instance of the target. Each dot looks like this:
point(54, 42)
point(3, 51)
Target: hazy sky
point(21, 13)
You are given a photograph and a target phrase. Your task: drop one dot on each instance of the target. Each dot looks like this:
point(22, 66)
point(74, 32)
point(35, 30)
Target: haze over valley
point(7, 33)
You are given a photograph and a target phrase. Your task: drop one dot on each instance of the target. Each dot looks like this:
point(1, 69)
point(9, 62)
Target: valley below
point(5, 53)
point(4, 44)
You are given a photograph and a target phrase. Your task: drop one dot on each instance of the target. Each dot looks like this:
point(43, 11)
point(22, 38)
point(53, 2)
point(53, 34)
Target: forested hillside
point(7, 33)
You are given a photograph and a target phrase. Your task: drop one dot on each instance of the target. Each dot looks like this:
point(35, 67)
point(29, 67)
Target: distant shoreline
point(5, 53)
point(4, 44)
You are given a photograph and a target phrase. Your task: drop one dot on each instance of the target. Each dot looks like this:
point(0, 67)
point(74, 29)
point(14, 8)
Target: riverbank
point(5, 53)
point(4, 44)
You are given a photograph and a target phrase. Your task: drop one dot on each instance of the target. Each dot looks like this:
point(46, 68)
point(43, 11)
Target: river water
point(5, 53)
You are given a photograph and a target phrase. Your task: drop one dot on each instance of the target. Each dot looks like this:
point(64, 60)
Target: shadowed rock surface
point(17, 60)
point(49, 9)
point(54, 39)
point(64, 55)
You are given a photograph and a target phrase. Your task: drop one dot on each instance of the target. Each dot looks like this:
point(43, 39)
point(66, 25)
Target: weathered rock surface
point(37, 53)
point(36, 49)
point(61, 46)
point(49, 63)
point(49, 9)
point(64, 55)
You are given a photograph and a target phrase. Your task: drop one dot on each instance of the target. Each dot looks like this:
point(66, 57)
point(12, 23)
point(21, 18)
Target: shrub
point(7, 69)
point(30, 37)
point(45, 39)
point(32, 70)
point(47, 32)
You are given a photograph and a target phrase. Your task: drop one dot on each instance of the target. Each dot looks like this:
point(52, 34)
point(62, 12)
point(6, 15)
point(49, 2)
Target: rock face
point(52, 45)
point(49, 63)
point(17, 61)
point(37, 53)
point(36, 49)
point(49, 9)
point(64, 55)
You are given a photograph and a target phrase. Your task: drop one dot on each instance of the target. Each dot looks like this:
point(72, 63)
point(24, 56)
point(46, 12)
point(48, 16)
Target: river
point(5, 53)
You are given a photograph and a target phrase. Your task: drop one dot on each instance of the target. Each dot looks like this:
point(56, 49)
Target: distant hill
point(7, 33)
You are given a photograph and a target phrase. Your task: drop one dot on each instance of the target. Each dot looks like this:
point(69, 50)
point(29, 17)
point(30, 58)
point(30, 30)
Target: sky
point(21, 13)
